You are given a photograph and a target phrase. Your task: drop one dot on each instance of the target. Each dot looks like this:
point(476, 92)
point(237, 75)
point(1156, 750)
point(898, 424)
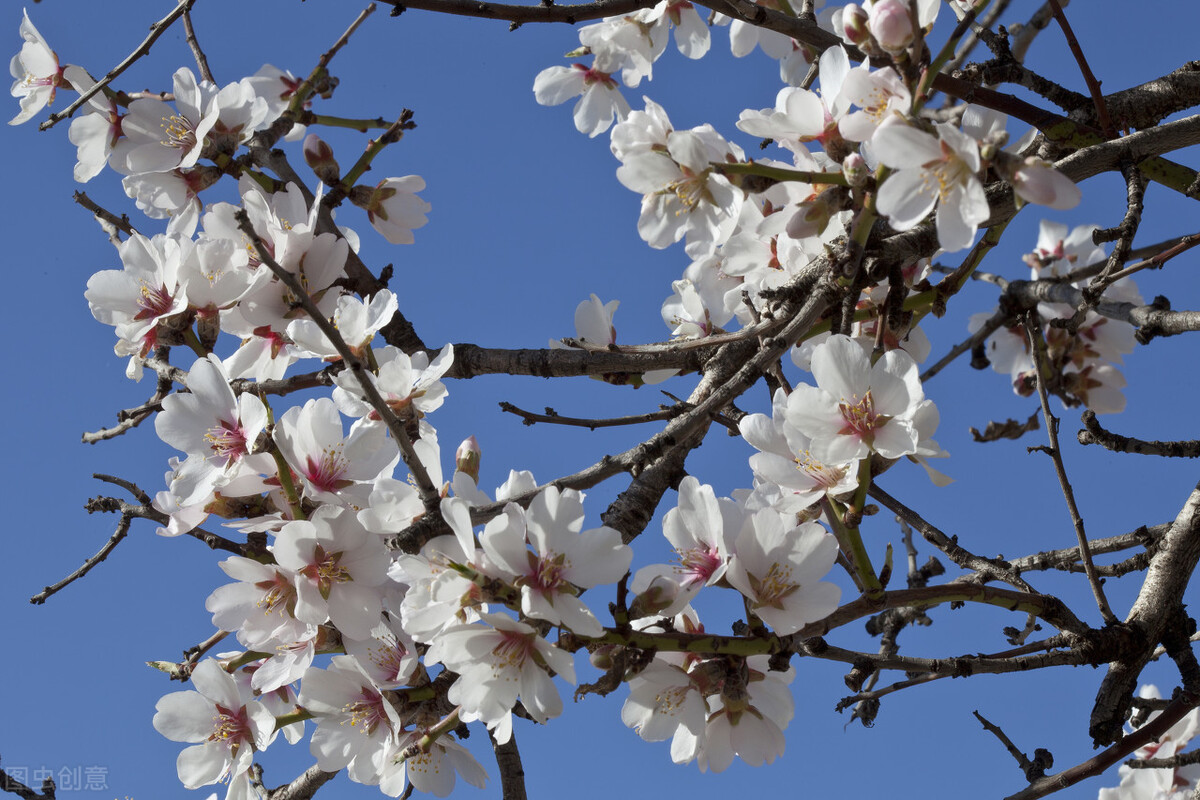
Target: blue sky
point(527, 220)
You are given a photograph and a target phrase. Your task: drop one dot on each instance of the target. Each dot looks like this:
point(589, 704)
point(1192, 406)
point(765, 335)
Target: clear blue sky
point(527, 220)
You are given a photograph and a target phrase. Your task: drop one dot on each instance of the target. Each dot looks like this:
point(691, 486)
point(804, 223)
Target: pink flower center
point(153, 301)
point(231, 728)
point(227, 440)
point(367, 711)
point(860, 417)
point(512, 651)
point(699, 564)
point(546, 573)
point(326, 569)
point(325, 473)
point(593, 76)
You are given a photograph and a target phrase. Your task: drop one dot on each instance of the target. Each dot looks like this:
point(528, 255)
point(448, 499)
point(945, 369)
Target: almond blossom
point(158, 137)
point(779, 571)
point(498, 662)
point(682, 195)
point(858, 408)
point(932, 172)
point(224, 728)
point(564, 558)
point(36, 71)
point(599, 98)
point(338, 567)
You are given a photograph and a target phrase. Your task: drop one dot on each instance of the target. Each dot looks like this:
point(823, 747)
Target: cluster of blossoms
point(388, 651)
point(1085, 357)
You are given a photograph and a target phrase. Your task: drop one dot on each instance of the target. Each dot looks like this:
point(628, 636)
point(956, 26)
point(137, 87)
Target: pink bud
point(891, 25)
point(319, 155)
point(466, 458)
point(855, 169)
point(854, 23)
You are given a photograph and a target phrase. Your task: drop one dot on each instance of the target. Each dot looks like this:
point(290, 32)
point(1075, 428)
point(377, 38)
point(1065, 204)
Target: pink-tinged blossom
point(564, 558)
point(355, 722)
point(277, 87)
point(594, 328)
point(433, 771)
point(316, 261)
point(356, 320)
point(260, 606)
point(94, 132)
point(224, 728)
point(213, 426)
point(158, 137)
point(697, 308)
point(785, 460)
point(1036, 181)
point(697, 529)
point(327, 460)
point(691, 32)
point(338, 570)
point(878, 95)
point(779, 569)
point(857, 408)
point(932, 172)
point(388, 655)
point(410, 385)
point(173, 195)
point(36, 72)
point(749, 712)
point(600, 101)
point(682, 196)
point(665, 703)
point(498, 662)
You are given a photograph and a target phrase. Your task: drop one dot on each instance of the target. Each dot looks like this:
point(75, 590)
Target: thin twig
point(1033, 769)
point(108, 220)
point(197, 52)
point(101, 554)
point(156, 30)
point(1090, 79)
point(551, 416)
point(130, 418)
point(993, 324)
point(1037, 348)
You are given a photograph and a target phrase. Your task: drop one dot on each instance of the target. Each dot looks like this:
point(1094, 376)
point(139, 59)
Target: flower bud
point(319, 155)
point(854, 167)
point(854, 24)
point(891, 25)
point(466, 458)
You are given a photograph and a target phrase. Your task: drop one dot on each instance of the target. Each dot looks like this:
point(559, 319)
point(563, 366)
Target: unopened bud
point(466, 458)
point(319, 155)
point(891, 25)
point(854, 24)
point(854, 167)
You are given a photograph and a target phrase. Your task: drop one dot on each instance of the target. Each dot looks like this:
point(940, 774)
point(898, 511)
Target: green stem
point(193, 341)
point(779, 173)
point(393, 134)
point(362, 125)
point(281, 467)
point(852, 545)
